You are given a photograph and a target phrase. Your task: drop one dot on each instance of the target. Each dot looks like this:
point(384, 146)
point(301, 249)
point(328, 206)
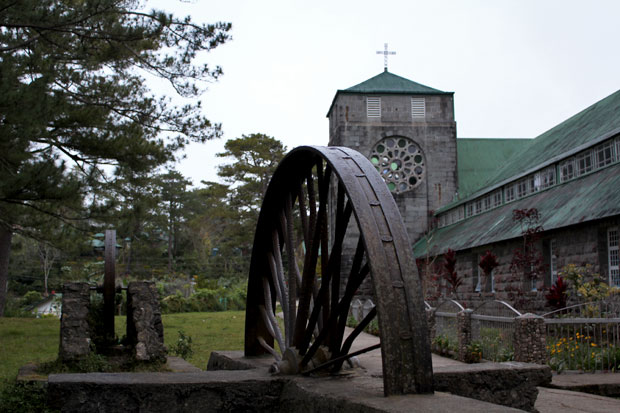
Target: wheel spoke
point(294, 278)
point(287, 311)
point(278, 283)
point(310, 262)
point(346, 346)
point(303, 213)
point(270, 349)
point(269, 317)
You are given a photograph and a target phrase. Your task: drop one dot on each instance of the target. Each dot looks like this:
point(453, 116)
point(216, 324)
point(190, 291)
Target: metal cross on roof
point(385, 54)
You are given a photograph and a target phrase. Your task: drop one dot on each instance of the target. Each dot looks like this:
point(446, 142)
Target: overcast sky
point(517, 67)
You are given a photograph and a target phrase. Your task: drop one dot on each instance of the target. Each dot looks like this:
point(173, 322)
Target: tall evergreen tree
point(73, 100)
point(254, 160)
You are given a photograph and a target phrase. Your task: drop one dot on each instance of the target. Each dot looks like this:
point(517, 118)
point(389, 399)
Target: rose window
point(400, 163)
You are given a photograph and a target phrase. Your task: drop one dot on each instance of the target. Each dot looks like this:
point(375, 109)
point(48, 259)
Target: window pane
point(584, 163)
point(604, 154)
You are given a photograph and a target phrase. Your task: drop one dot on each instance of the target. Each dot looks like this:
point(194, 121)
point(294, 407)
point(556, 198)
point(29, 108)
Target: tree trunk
point(5, 250)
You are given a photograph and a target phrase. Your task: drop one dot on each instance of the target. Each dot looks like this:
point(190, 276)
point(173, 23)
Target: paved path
point(549, 400)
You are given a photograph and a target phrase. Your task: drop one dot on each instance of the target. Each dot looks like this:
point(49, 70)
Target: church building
point(464, 194)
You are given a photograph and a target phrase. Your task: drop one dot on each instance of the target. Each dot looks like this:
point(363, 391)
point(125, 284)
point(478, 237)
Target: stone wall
point(74, 329)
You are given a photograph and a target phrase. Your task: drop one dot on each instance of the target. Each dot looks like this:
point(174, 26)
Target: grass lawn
point(24, 340)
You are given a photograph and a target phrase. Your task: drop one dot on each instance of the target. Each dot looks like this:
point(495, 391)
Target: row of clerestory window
point(580, 164)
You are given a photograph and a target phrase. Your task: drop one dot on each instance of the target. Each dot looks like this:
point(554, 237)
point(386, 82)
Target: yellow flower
point(593, 344)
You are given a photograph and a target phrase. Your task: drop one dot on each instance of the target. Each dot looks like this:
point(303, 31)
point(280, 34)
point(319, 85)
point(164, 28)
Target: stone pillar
point(74, 329)
point(430, 319)
point(463, 325)
point(145, 331)
point(529, 339)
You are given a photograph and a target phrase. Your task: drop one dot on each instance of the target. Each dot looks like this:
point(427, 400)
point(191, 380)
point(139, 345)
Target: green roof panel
point(387, 82)
point(591, 197)
point(598, 121)
point(479, 158)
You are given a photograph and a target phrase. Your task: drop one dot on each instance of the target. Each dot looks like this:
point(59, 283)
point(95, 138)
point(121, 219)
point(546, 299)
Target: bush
point(444, 346)
point(173, 304)
point(474, 352)
point(14, 308)
point(206, 300)
point(31, 297)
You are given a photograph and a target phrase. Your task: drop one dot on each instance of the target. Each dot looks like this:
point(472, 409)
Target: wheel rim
point(313, 189)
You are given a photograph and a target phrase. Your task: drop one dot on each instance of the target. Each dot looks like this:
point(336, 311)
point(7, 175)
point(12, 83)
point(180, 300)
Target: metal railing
point(584, 337)
point(445, 320)
point(492, 325)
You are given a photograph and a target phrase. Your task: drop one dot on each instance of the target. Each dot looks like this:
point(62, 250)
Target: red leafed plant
point(488, 262)
point(556, 297)
point(450, 274)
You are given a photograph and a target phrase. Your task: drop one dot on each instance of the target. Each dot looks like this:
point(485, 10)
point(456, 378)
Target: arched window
point(400, 162)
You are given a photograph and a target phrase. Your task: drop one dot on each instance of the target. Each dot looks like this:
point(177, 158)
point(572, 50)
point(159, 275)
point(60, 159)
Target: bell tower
point(408, 132)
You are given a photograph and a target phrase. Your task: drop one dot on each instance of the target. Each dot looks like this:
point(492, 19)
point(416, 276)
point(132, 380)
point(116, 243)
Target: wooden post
point(109, 284)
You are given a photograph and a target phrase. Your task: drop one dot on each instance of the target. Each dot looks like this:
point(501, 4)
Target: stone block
point(529, 339)
point(74, 328)
point(145, 331)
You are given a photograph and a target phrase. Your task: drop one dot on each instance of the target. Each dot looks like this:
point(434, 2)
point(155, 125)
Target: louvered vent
point(373, 107)
point(418, 108)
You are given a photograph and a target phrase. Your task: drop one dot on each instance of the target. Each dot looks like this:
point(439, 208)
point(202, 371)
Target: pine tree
point(73, 101)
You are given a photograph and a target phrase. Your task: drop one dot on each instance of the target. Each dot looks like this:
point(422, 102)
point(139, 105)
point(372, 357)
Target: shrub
point(444, 346)
point(173, 304)
point(449, 273)
point(496, 345)
point(556, 298)
point(474, 352)
point(586, 284)
point(20, 396)
point(31, 297)
point(183, 346)
point(206, 299)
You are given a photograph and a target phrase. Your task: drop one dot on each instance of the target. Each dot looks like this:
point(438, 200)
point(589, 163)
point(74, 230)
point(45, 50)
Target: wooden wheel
point(321, 199)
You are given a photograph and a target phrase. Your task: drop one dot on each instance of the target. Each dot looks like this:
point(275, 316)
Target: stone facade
point(580, 245)
point(435, 135)
point(74, 328)
point(145, 331)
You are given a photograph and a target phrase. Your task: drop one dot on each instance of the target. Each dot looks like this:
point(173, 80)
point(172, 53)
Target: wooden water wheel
point(319, 199)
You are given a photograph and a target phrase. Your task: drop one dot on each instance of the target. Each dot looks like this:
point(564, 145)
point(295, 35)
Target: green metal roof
point(387, 83)
point(593, 124)
point(479, 158)
point(587, 198)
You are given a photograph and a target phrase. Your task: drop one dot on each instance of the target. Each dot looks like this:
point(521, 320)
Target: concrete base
point(247, 386)
point(249, 391)
point(510, 384)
